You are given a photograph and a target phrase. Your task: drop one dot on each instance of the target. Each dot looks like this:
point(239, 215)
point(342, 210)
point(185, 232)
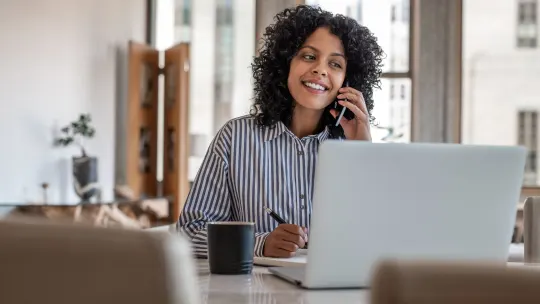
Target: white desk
point(263, 287)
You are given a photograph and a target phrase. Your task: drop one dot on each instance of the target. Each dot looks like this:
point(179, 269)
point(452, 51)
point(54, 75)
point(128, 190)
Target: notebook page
point(298, 260)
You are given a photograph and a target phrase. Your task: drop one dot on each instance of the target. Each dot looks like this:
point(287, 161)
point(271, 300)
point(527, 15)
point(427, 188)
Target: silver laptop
point(408, 201)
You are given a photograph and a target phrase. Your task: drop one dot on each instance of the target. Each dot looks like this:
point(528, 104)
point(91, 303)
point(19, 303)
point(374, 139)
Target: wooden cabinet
point(176, 133)
point(143, 126)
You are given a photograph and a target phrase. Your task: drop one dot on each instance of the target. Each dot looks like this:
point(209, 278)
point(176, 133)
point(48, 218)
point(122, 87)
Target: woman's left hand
point(358, 127)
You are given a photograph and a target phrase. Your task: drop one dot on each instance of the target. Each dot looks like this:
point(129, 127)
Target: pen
point(278, 219)
point(275, 215)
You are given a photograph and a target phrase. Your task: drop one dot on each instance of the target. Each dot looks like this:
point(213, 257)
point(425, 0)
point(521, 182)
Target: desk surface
point(263, 287)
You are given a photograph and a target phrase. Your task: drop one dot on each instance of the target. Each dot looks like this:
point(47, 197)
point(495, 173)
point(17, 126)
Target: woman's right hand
point(285, 240)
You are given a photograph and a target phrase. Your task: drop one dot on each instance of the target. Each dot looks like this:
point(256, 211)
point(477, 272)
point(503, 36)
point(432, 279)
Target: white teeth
point(315, 86)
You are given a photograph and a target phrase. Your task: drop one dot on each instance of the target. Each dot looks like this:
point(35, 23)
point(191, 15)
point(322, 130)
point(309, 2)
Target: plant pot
point(85, 177)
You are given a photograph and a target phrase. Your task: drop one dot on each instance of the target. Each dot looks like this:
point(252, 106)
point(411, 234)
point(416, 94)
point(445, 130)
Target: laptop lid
point(413, 201)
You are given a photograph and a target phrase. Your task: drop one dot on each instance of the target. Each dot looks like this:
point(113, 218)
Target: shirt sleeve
point(208, 201)
point(260, 239)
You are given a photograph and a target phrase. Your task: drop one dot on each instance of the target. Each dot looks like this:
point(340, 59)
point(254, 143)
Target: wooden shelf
point(141, 142)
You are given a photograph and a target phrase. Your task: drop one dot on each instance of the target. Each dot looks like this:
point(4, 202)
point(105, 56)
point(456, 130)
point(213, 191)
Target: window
point(392, 112)
point(359, 12)
point(405, 11)
point(182, 15)
point(527, 27)
point(223, 64)
point(349, 12)
point(182, 23)
point(500, 101)
point(392, 116)
point(527, 137)
point(219, 61)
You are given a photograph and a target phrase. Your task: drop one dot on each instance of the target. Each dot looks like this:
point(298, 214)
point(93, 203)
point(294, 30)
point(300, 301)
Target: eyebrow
point(316, 50)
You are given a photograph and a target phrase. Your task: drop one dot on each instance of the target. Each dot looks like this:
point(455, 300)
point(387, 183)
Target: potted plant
point(85, 177)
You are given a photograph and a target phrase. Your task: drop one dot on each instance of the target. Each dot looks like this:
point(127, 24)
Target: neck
point(305, 121)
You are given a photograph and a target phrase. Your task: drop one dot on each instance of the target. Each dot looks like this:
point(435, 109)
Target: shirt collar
point(323, 135)
point(274, 131)
point(279, 128)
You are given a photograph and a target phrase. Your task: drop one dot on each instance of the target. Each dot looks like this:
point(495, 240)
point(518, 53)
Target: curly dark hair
point(281, 42)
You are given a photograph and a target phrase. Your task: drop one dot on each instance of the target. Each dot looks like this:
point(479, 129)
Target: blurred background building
point(501, 73)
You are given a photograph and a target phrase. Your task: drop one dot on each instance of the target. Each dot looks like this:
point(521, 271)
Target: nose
point(319, 69)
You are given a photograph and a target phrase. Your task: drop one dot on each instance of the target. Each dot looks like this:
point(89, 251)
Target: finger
point(348, 96)
point(359, 96)
point(362, 104)
point(281, 253)
point(357, 112)
point(294, 229)
point(350, 90)
point(287, 246)
point(296, 239)
point(357, 99)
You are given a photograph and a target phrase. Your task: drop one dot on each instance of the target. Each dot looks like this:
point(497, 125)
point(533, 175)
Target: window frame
point(409, 73)
point(522, 41)
point(527, 129)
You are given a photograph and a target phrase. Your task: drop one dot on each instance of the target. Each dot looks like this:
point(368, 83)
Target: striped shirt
point(246, 168)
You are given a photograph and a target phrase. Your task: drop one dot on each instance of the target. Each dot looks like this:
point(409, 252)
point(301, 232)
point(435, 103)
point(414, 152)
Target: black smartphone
point(342, 111)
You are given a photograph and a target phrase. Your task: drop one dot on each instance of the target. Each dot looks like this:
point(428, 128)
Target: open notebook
point(298, 260)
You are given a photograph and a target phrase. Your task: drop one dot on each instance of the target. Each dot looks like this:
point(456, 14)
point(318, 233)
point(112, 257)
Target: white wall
point(59, 60)
point(498, 78)
point(489, 26)
point(498, 87)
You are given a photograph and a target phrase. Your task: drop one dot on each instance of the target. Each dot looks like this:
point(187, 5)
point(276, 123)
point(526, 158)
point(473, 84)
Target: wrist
point(260, 243)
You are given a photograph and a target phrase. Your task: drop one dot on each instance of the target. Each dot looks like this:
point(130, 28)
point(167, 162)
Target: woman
point(267, 159)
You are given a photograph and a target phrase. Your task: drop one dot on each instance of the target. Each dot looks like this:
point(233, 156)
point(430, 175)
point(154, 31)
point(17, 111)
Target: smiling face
point(317, 71)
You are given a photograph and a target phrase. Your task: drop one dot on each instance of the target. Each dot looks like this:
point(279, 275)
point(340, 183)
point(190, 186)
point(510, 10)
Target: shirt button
point(300, 152)
point(303, 207)
point(302, 196)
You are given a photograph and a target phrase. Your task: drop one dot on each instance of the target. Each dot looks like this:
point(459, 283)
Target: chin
point(313, 102)
point(313, 105)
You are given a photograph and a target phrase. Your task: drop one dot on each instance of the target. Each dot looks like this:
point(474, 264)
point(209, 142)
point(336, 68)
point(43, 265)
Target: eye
point(308, 57)
point(336, 65)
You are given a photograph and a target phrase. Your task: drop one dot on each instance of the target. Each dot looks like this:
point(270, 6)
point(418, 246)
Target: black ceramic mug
point(230, 247)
